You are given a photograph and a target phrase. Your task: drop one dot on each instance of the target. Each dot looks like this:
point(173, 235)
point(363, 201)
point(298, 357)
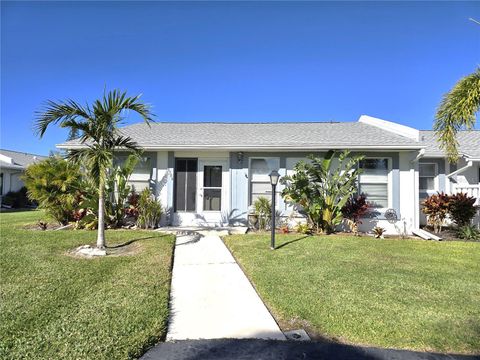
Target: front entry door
point(213, 177)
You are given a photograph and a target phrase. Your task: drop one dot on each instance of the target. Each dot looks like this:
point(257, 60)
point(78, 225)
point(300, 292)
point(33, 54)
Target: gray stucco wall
point(240, 174)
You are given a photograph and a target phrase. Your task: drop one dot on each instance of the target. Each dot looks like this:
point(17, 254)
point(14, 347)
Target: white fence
point(470, 190)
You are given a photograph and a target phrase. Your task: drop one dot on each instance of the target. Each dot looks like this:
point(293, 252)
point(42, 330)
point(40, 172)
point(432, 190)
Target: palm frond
point(58, 112)
point(457, 111)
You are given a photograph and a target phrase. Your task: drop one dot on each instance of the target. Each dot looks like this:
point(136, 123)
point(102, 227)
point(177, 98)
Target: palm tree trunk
point(101, 216)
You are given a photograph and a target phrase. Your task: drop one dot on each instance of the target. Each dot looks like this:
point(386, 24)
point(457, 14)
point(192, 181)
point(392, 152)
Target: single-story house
point(12, 166)
point(211, 173)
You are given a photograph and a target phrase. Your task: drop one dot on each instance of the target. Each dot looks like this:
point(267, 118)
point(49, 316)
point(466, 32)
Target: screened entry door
point(213, 177)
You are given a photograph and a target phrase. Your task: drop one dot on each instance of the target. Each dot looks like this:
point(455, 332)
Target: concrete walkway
point(211, 298)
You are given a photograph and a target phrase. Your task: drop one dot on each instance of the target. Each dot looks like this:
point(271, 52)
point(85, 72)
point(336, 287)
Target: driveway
point(230, 349)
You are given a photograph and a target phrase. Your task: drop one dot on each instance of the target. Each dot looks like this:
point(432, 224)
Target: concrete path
point(211, 298)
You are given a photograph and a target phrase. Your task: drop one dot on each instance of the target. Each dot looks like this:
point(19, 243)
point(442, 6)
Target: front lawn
point(56, 306)
point(409, 294)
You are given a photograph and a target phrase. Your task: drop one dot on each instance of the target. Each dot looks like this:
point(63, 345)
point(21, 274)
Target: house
point(12, 166)
point(210, 173)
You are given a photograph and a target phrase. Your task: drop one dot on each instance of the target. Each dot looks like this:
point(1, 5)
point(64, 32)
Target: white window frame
point(389, 181)
point(435, 178)
point(277, 190)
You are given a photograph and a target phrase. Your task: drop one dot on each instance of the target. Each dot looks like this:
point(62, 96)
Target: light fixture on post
point(274, 176)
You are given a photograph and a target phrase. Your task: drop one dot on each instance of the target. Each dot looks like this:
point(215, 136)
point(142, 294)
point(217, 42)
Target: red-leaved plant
point(436, 208)
point(353, 210)
point(462, 208)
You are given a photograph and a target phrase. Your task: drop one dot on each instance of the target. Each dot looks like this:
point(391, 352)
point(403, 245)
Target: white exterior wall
point(11, 180)
point(163, 177)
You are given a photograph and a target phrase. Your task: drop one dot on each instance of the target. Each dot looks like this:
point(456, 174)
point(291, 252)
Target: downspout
point(416, 209)
point(462, 169)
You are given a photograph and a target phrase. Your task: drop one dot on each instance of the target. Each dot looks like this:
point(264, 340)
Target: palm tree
point(457, 111)
point(97, 129)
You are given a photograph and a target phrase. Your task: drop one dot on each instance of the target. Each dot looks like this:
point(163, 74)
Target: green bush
point(17, 199)
point(149, 210)
point(263, 209)
point(56, 185)
point(468, 232)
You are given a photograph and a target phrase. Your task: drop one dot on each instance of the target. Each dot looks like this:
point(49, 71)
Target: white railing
point(470, 190)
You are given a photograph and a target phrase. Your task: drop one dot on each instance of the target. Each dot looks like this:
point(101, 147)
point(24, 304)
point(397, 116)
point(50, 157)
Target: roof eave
point(260, 147)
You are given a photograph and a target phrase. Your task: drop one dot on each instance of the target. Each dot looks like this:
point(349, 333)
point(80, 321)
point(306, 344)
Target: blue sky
point(224, 61)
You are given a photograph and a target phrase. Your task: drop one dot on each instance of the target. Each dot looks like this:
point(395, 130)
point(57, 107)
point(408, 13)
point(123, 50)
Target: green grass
point(409, 294)
point(57, 306)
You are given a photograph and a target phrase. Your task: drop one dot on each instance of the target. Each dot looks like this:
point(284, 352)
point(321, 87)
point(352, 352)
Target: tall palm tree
point(457, 111)
point(97, 129)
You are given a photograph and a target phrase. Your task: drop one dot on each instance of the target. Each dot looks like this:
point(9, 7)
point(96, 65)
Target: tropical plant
point(462, 208)
point(118, 190)
point(263, 209)
point(457, 111)
point(436, 208)
point(149, 210)
point(378, 232)
point(55, 184)
point(303, 228)
point(96, 127)
point(321, 189)
point(468, 232)
point(353, 210)
point(132, 205)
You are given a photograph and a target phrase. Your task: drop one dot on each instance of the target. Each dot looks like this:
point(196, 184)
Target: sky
point(234, 61)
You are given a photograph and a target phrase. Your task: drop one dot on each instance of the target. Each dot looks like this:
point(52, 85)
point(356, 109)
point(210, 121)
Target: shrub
point(468, 232)
point(16, 199)
point(263, 209)
point(149, 210)
point(436, 208)
point(378, 232)
point(118, 190)
point(322, 189)
point(353, 210)
point(132, 205)
point(55, 184)
point(462, 209)
point(303, 228)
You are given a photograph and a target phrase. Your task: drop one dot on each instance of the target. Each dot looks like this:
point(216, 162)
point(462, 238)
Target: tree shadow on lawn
point(130, 242)
point(291, 242)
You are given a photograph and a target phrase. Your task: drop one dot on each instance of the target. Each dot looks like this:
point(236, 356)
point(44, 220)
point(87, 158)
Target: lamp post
point(274, 176)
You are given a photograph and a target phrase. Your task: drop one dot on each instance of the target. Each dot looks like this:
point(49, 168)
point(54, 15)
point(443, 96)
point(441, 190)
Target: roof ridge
point(23, 152)
point(245, 123)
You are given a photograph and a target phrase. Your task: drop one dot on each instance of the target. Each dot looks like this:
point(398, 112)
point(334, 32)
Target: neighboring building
point(211, 173)
point(12, 166)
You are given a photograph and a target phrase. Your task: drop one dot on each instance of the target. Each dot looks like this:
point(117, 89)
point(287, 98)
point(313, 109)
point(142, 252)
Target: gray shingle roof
point(468, 140)
point(263, 136)
point(20, 159)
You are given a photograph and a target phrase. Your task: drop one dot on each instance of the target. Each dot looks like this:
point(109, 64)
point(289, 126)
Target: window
point(373, 182)
point(185, 184)
point(260, 168)
point(1, 183)
point(427, 174)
